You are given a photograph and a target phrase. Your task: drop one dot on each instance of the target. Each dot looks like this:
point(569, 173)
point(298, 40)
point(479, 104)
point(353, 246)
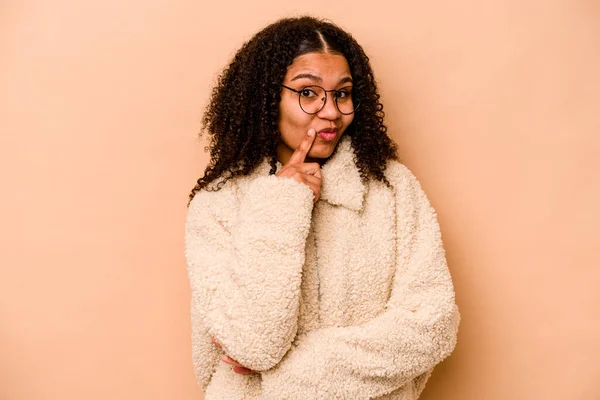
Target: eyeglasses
point(312, 99)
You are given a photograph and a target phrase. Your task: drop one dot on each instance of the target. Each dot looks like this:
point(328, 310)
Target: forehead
point(325, 66)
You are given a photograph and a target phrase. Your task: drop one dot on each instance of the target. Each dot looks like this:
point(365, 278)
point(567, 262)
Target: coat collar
point(342, 184)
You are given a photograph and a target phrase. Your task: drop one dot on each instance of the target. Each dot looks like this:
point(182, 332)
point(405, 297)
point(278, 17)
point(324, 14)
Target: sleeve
point(205, 354)
point(417, 329)
point(245, 275)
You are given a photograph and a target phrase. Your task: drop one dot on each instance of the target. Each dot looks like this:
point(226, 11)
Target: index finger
point(302, 150)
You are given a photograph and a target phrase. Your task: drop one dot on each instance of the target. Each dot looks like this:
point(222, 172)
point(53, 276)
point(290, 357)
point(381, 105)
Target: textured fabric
point(346, 298)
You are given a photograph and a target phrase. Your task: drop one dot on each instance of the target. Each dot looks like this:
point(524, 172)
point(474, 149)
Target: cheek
point(347, 120)
point(293, 123)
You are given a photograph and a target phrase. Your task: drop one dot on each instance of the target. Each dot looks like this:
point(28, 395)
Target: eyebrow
point(319, 79)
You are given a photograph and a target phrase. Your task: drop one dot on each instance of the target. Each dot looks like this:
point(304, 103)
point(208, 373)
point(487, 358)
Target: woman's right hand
point(307, 173)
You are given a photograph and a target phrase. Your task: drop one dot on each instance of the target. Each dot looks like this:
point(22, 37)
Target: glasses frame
point(335, 99)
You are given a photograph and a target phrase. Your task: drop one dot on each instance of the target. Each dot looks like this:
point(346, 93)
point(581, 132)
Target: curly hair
point(242, 114)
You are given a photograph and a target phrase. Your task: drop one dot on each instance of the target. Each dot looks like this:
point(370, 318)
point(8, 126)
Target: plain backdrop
point(495, 107)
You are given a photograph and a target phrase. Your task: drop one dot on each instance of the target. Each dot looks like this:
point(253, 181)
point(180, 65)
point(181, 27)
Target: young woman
point(315, 259)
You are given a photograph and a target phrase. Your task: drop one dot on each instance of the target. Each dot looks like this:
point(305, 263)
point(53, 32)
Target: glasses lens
point(312, 99)
point(343, 98)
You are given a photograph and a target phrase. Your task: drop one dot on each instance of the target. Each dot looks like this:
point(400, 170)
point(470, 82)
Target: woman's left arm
point(416, 331)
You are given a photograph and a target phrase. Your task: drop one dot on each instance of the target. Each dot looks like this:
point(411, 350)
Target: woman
point(315, 259)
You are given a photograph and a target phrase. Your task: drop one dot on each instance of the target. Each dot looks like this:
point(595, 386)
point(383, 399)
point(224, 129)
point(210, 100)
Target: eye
point(343, 93)
point(307, 92)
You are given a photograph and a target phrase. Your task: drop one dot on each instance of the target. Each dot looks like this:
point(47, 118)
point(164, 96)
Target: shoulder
point(222, 191)
point(401, 177)
point(406, 186)
point(215, 192)
point(214, 203)
point(257, 190)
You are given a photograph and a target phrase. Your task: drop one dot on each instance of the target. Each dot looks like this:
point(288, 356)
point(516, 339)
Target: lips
point(328, 130)
point(328, 134)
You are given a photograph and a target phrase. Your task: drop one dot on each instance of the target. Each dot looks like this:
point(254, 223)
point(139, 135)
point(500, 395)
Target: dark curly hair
point(241, 117)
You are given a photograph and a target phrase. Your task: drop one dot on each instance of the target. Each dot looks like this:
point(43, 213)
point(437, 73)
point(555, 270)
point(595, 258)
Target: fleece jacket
point(349, 297)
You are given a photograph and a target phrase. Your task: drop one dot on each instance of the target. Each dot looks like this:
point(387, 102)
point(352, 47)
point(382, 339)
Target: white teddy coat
point(346, 298)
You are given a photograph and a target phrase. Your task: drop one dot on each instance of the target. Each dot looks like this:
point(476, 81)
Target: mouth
point(328, 134)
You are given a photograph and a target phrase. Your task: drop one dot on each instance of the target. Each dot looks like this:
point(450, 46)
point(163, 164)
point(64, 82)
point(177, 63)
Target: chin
point(320, 154)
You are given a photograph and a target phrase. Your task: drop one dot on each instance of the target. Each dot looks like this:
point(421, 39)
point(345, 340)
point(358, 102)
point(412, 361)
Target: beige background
point(495, 107)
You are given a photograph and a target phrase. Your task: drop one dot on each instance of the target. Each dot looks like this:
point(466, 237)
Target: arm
point(205, 355)
point(416, 331)
point(245, 278)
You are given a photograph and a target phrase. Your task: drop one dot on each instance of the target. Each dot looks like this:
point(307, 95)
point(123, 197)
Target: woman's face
point(329, 71)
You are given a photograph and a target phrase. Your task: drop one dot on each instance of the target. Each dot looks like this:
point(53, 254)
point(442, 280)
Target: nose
point(330, 110)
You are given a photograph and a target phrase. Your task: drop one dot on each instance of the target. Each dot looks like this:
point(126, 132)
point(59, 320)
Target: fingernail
point(311, 132)
point(224, 358)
